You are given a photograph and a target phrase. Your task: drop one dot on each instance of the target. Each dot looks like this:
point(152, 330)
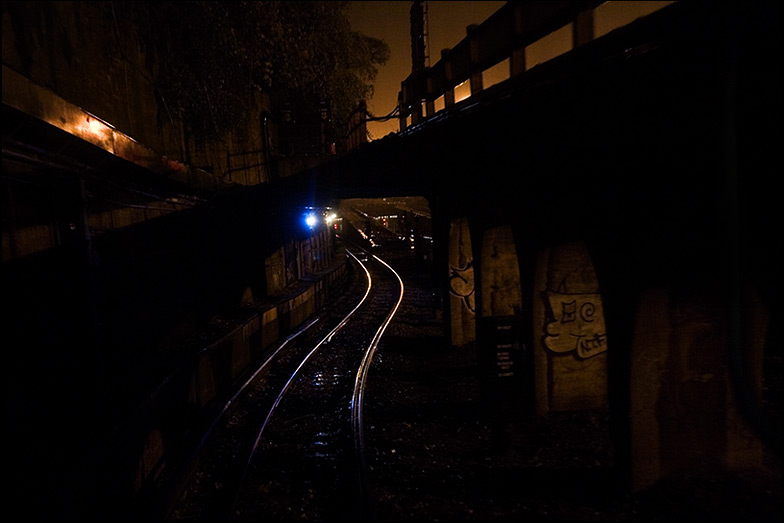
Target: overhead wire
point(393, 114)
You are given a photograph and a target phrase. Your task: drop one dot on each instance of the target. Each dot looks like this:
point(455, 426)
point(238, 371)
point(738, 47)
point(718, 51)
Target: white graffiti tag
point(578, 324)
point(461, 284)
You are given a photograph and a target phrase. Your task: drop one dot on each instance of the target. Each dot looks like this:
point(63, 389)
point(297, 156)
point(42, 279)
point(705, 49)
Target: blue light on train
point(311, 220)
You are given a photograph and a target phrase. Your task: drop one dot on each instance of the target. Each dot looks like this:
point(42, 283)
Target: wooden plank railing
point(502, 36)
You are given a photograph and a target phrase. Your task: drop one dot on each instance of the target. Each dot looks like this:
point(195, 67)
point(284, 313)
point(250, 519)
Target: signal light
point(311, 220)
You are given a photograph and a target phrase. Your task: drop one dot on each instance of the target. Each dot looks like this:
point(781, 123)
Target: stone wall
point(88, 55)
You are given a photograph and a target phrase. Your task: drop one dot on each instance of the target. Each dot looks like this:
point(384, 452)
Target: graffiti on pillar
point(578, 324)
point(461, 284)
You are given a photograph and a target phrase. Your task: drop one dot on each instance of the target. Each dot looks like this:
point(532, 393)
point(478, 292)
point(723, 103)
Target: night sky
point(389, 21)
point(447, 22)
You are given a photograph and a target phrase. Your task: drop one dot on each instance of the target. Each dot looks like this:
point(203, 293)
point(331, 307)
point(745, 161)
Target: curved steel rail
point(357, 400)
point(296, 372)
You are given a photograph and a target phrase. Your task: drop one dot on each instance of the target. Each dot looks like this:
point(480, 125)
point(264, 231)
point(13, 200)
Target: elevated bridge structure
point(605, 224)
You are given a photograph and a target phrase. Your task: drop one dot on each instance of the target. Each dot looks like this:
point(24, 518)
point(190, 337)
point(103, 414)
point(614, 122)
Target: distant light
point(311, 220)
point(91, 130)
point(95, 127)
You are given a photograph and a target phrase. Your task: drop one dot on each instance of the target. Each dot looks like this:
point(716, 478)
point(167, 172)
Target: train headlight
point(311, 220)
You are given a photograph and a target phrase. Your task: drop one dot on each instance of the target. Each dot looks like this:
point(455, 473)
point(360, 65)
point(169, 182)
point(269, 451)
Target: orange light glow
point(462, 91)
point(92, 129)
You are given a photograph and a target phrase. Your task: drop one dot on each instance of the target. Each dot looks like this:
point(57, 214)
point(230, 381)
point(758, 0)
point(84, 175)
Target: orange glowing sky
point(447, 22)
point(390, 22)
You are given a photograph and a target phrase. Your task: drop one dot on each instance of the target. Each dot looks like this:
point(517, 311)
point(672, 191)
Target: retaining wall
point(191, 395)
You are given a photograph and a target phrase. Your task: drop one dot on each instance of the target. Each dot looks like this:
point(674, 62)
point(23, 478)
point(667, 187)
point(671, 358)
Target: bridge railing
point(502, 38)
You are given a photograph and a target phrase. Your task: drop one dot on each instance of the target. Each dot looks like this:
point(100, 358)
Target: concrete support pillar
point(462, 305)
point(570, 339)
point(501, 292)
point(501, 349)
point(684, 414)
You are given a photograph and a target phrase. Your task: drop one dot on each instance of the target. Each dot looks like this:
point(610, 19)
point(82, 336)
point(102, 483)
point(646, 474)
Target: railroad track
point(290, 443)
